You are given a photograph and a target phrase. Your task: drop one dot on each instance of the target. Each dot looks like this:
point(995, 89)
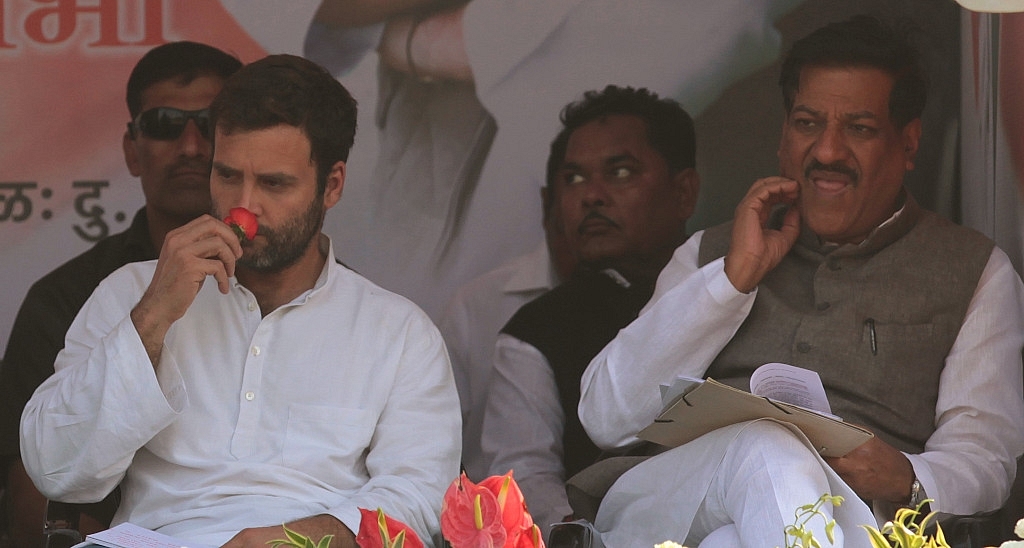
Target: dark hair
point(181, 61)
point(287, 89)
point(861, 41)
point(669, 128)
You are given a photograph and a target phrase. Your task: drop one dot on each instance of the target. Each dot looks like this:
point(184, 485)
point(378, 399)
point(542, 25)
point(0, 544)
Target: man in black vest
point(621, 179)
point(913, 323)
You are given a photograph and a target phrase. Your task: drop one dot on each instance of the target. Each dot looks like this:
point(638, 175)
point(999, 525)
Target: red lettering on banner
point(56, 22)
point(153, 18)
point(4, 44)
point(66, 20)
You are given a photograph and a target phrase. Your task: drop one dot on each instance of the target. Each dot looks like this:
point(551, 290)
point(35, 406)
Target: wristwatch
point(916, 494)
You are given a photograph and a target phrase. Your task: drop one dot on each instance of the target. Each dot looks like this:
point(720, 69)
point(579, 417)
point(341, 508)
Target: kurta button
point(252, 306)
point(255, 351)
point(803, 347)
point(249, 396)
point(823, 306)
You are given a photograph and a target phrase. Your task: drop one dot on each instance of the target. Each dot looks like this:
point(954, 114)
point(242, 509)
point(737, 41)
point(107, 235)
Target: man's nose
point(595, 192)
point(830, 146)
point(191, 141)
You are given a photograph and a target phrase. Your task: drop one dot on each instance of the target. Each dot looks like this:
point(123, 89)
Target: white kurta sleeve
point(523, 428)
point(82, 427)
point(691, 317)
point(970, 461)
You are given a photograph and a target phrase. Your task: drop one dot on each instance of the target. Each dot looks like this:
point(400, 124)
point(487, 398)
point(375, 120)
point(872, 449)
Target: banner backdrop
point(443, 182)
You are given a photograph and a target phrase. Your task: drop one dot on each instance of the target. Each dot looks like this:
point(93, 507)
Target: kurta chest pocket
point(326, 436)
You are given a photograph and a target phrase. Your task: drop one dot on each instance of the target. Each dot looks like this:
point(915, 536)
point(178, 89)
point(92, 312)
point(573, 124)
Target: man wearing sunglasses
point(167, 146)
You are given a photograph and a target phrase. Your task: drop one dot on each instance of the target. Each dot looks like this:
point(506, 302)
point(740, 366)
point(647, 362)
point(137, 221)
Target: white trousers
point(737, 486)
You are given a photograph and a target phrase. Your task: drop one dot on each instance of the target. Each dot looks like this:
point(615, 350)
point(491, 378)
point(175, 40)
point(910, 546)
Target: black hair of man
point(862, 41)
point(669, 128)
point(183, 62)
point(290, 90)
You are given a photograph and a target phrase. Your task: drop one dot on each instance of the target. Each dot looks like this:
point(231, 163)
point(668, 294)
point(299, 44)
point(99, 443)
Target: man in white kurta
point(233, 386)
point(853, 126)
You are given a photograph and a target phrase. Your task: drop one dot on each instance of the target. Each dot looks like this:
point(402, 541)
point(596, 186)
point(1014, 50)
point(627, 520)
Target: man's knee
point(770, 438)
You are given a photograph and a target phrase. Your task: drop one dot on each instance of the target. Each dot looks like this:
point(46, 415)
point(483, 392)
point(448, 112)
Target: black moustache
point(841, 169)
point(594, 215)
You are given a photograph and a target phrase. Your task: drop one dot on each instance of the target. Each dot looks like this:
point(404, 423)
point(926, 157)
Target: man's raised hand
point(203, 247)
point(755, 248)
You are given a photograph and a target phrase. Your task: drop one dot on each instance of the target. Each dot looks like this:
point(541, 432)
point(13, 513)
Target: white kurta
point(341, 399)
point(969, 461)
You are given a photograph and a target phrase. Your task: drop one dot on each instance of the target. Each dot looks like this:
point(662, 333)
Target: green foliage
point(298, 540)
point(798, 536)
point(906, 532)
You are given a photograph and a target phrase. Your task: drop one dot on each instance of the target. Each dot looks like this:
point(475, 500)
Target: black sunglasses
point(167, 123)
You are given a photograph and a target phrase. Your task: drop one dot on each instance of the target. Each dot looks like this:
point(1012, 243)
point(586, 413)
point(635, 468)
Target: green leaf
point(296, 539)
point(876, 537)
point(940, 537)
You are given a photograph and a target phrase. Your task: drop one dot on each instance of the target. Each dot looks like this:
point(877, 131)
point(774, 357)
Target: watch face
point(915, 494)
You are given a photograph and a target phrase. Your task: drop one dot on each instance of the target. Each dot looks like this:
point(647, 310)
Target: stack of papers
point(694, 407)
point(127, 535)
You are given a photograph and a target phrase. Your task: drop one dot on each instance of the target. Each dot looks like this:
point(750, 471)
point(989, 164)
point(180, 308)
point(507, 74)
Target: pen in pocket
point(870, 323)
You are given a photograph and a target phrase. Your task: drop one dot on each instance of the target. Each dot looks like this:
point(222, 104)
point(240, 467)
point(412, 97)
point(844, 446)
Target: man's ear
point(131, 156)
point(911, 134)
point(335, 184)
point(687, 183)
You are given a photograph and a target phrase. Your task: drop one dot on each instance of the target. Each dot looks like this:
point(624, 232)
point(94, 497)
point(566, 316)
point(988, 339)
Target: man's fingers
point(223, 278)
point(203, 228)
point(790, 228)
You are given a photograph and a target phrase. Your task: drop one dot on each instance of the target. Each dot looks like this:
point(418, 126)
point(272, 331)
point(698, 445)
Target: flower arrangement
point(493, 514)
point(489, 514)
point(906, 532)
point(902, 531)
point(298, 540)
point(798, 532)
point(383, 531)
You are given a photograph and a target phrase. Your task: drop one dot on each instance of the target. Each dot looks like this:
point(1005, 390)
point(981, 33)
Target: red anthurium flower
point(465, 500)
point(470, 516)
point(531, 538)
point(514, 517)
point(243, 222)
point(379, 530)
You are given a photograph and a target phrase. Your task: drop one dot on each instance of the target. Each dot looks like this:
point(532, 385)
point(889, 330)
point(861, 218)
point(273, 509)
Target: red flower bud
point(243, 222)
